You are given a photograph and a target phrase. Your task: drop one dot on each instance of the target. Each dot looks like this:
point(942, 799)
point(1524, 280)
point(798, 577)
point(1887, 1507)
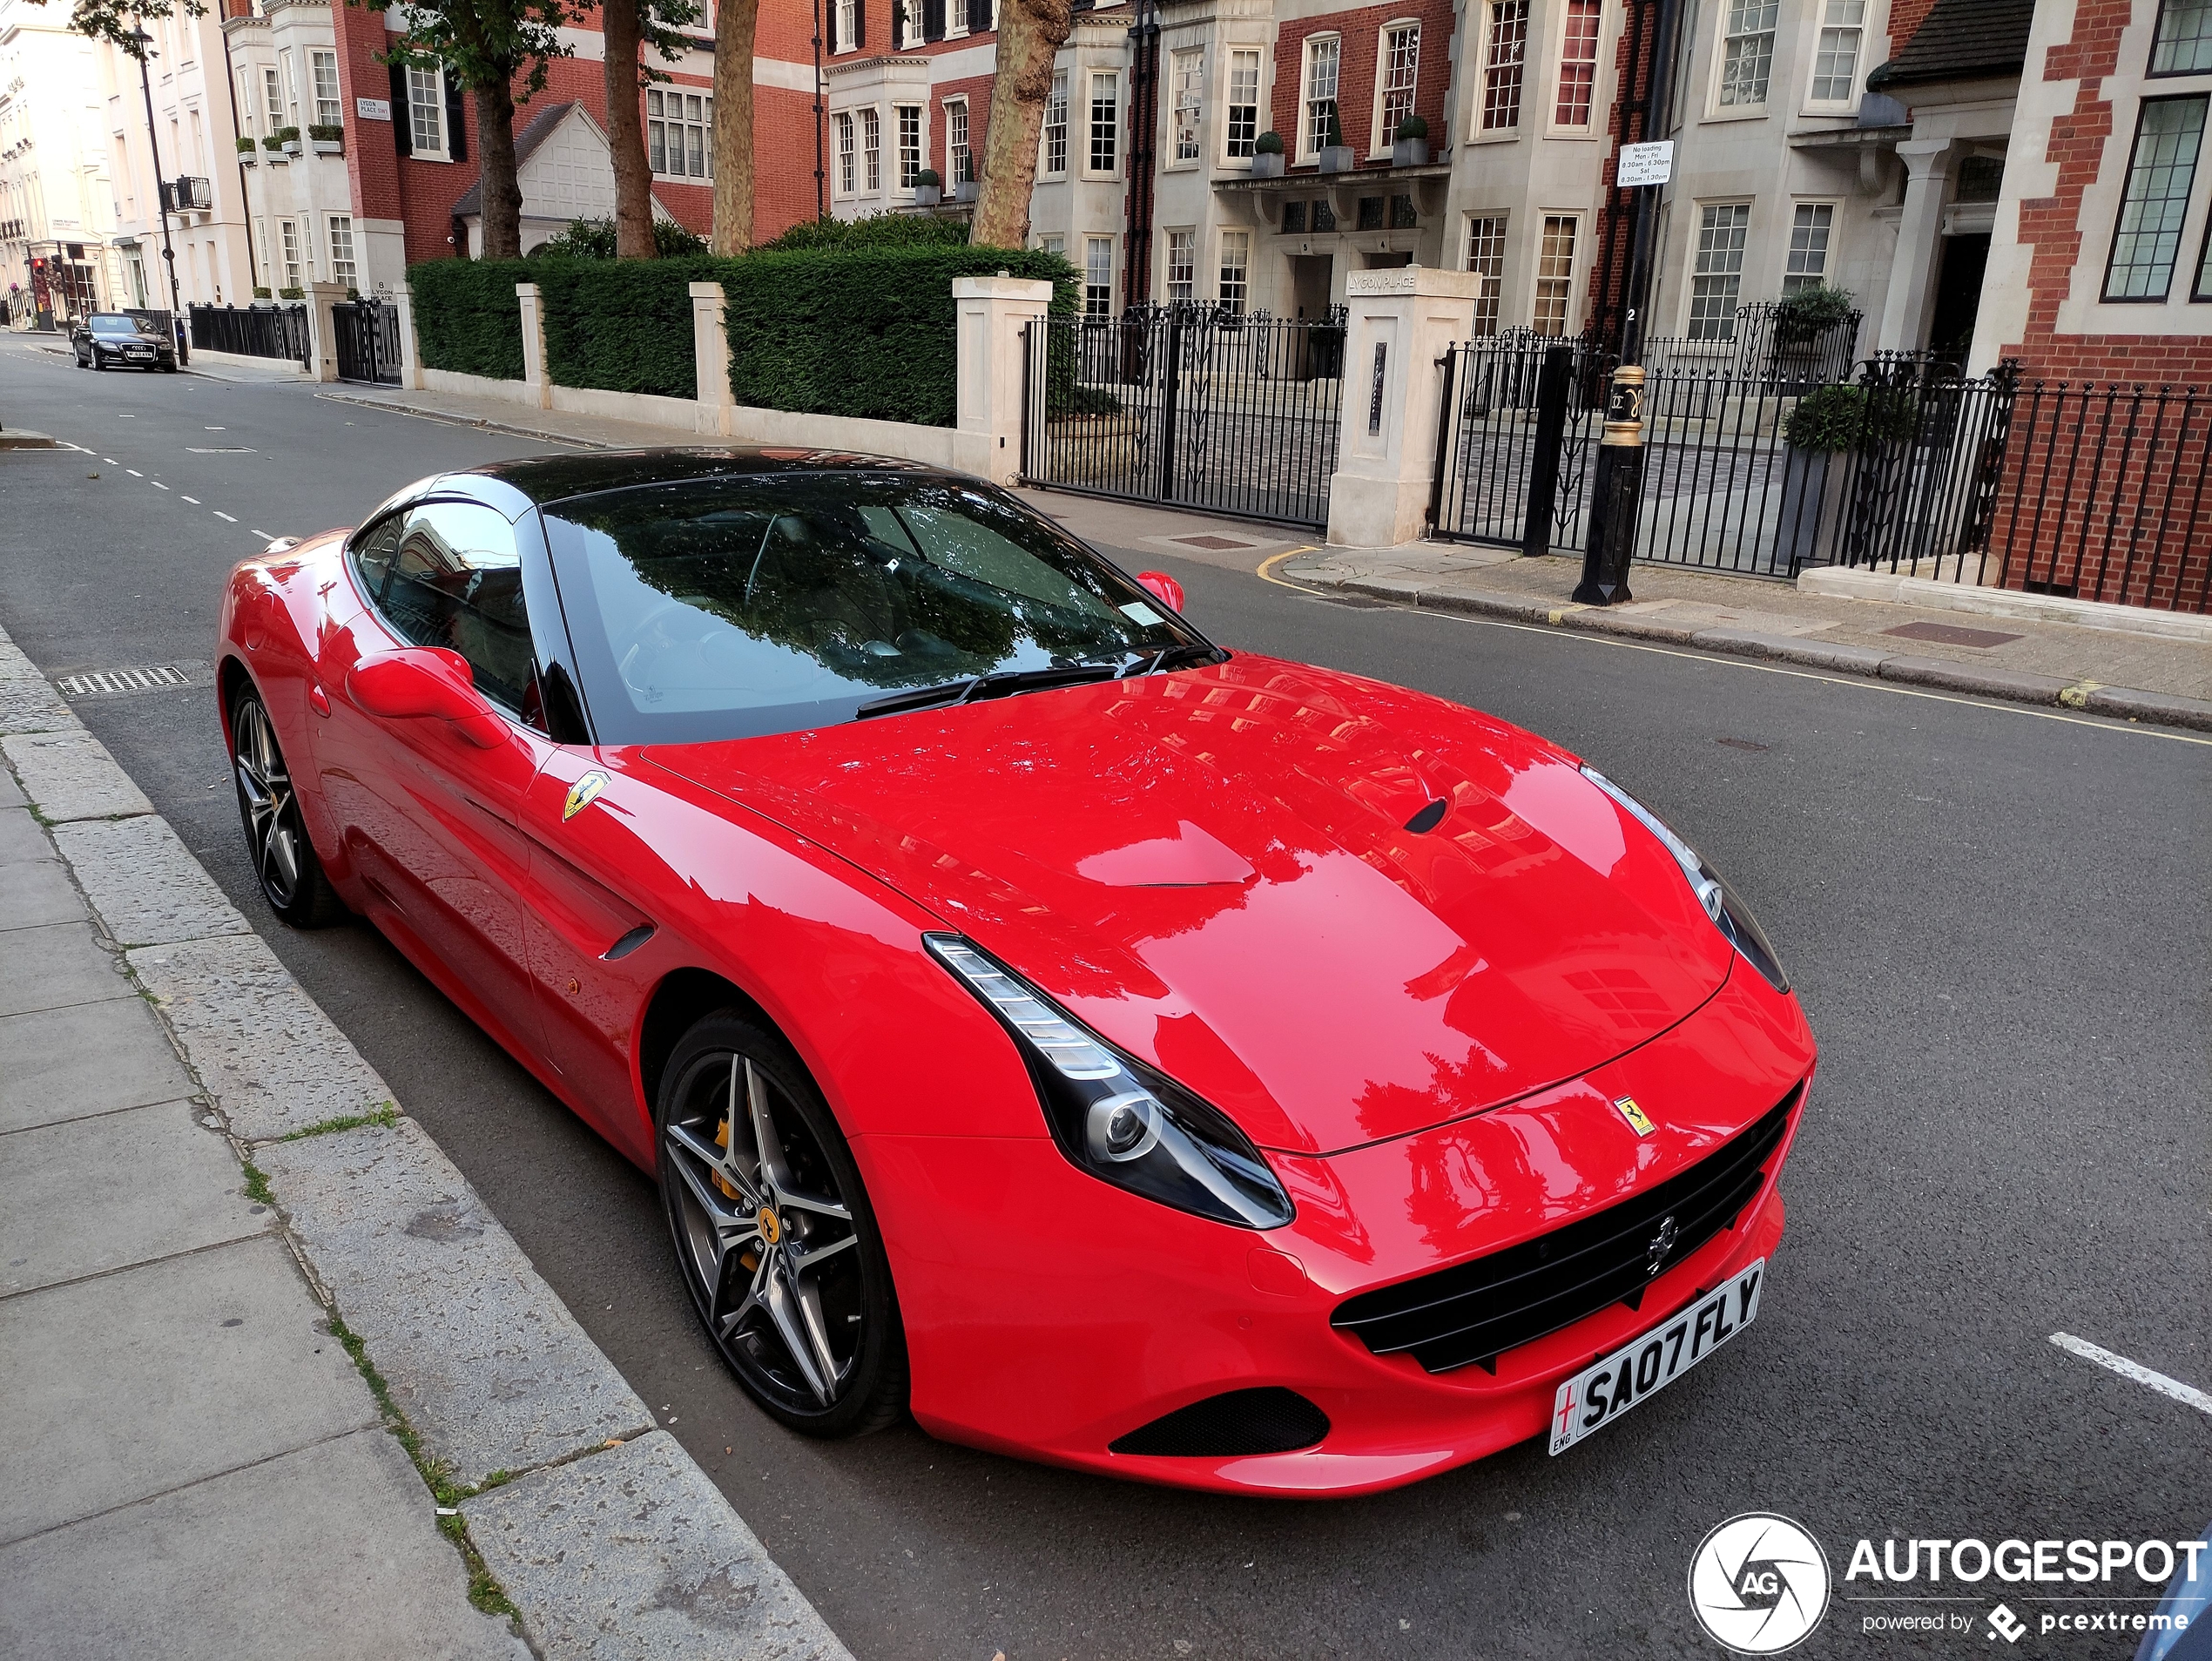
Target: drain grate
point(122, 680)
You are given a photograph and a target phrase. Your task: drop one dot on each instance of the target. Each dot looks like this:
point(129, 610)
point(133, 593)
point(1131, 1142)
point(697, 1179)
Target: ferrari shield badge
point(583, 793)
point(1639, 1121)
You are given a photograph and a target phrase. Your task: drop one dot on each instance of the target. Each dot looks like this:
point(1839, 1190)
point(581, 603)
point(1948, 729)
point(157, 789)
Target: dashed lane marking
point(2188, 1394)
point(193, 499)
point(157, 485)
point(219, 513)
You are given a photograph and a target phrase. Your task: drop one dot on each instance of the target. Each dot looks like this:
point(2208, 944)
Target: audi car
point(1106, 1046)
point(126, 338)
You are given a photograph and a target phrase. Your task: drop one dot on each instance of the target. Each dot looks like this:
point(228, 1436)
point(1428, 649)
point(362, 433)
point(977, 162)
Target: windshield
point(729, 607)
point(105, 323)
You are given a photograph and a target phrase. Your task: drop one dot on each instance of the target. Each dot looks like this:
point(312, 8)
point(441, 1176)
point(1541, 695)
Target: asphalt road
point(1998, 922)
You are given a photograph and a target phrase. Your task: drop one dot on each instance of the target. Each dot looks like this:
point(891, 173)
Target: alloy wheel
point(275, 835)
point(769, 1243)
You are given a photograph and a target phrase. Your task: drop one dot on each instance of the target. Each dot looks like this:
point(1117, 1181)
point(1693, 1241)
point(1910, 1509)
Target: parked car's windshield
point(118, 323)
point(728, 608)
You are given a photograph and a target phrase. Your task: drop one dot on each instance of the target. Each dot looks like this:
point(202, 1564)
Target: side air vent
point(1237, 1422)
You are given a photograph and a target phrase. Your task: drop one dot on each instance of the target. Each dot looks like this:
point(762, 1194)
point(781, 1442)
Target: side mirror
point(417, 682)
point(1163, 588)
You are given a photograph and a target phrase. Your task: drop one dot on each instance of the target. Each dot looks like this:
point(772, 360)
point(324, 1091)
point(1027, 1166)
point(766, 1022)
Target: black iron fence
point(1233, 414)
point(1762, 343)
point(368, 340)
point(255, 331)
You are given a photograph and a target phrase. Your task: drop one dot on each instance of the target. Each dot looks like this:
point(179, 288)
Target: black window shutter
point(456, 135)
point(978, 16)
point(859, 24)
point(932, 19)
point(403, 116)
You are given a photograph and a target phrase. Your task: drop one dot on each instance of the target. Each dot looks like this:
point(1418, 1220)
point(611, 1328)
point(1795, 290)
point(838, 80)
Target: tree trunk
point(501, 191)
point(733, 30)
point(626, 131)
point(1030, 31)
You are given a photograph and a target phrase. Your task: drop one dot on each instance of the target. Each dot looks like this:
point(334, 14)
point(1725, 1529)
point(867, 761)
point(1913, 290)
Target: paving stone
point(70, 775)
point(144, 883)
point(633, 1554)
point(131, 1384)
point(482, 1356)
point(59, 1215)
point(1822, 654)
point(270, 1056)
point(36, 892)
point(88, 1058)
point(10, 793)
point(1986, 679)
point(53, 967)
point(329, 1552)
point(23, 840)
point(31, 705)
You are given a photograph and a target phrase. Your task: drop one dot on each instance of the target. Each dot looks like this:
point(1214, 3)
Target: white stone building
point(58, 203)
point(300, 205)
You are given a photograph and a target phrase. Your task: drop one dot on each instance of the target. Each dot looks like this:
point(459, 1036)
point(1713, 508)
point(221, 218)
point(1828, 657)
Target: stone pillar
point(993, 313)
point(410, 353)
point(1909, 305)
point(323, 328)
point(710, 358)
point(535, 383)
point(1398, 324)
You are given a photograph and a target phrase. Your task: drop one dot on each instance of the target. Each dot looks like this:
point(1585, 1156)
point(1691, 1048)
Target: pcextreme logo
point(1758, 1584)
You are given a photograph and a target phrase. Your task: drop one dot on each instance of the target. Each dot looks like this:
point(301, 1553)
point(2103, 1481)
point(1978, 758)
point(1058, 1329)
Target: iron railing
point(368, 340)
point(1760, 345)
point(1233, 414)
point(255, 332)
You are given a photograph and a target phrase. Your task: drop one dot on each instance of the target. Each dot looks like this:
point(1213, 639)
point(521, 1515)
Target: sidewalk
point(282, 1386)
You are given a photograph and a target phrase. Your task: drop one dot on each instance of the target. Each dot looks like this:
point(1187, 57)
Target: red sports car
point(1113, 1049)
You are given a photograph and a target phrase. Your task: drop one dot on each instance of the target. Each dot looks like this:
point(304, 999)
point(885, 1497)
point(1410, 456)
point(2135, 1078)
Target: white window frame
point(1238, 244)
point(1494, 12)
point(1826, 273)
point(1309, 97)
point(1098, 298)
point(1186, 106)
point(1054, 132)
point(1691, 322)
point(844, 174)
point(271, 101)
point(844, 15)
point(1557, 80)
point(344, 267)
point(1111, 80)
point(1538, 279)
point(1726, 12)
point(288, 249)
point(957, 140)
point(329, 111)
point(1183, 243)
point(1490, 299)
point(913, 158)
point(1384, 128)
point(872, 151)
point(1821, 27)
point(693, 115)
point(441, 150)
point(246, 102)
point(1237, 148)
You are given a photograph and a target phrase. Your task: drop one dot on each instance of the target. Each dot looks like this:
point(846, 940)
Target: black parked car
point(120, 337)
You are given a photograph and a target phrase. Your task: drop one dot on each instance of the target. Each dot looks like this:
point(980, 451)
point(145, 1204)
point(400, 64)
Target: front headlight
point(1730, 915)
point(1116, 1118)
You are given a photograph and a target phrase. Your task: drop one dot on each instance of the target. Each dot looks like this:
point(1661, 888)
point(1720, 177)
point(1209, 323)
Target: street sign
point(372, 108)
point(1652, 164)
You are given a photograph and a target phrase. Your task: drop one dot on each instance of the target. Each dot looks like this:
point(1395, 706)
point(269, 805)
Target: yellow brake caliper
point(750, 1256)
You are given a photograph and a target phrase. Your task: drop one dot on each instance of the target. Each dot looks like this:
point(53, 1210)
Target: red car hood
point(1212, 868)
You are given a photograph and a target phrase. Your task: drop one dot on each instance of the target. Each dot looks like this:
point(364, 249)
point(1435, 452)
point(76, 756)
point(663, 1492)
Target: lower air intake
point(1271, 1421)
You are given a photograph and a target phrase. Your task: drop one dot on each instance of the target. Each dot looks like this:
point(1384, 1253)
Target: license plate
point(1604, 1391)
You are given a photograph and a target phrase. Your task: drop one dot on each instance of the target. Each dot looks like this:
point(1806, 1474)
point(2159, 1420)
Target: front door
point(1957, 298)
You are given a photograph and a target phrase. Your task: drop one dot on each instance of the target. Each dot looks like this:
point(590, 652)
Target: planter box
point(1409, 152)
point(247, 157)
point(327, 147)
point(928, 195)
point(1338, 158)
point(966, 191)
point(1267, 164)
point(291, 146)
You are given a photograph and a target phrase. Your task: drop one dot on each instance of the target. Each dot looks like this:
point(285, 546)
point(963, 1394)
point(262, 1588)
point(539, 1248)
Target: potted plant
point(264, 293)
point(964, 188)
point(1409, 144)
point(275, 145)
point(1828, 422)
point(327, 137)
point(248, 151)
point(1337, 156)
point(288, 140)
point(292, 294)
point(1267, 156)
point(929, 188)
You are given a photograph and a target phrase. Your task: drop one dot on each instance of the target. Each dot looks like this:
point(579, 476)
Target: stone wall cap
point(1423, 281)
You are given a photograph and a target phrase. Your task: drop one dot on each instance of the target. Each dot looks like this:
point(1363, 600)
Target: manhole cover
point(1212, 542)
point(122, 680)
point(1950, 634)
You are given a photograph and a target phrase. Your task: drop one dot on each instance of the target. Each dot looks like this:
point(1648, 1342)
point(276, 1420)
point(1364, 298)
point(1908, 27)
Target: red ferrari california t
point(1113, 1049)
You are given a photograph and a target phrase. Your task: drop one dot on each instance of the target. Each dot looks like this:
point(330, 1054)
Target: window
point(1555, 274)
point(1578, 62)
point(425, 104)
point(456, 581)
point(909, 145)
point(1809, 228)
point(1098, 276)
point(341, 250)
point(846, 31)
point(1183, 266)
point(1487, 259)
point(848, 156)
point(1056, 125)
point(1747, 52)
point(1053, 244)
point(1105, 121)
point(289, 237)
point(960, 161)
point(2202, 291)
point(680, 134)
point(2184, 46)
point(1401, 63)
point(1243, 104)
point(2160, 173)
point(1318, 108)
point(1503, 64)
point(1189, 74)
point(1235, 267)
point(291, 89)
point(329, 111)
point(245, 107)
point(872, 148)
point(1716, 276)
point(1835, 60)
point(272, 100)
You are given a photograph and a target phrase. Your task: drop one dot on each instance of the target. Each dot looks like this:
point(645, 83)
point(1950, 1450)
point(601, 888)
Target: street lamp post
point(144, 42)
point(1617, 493)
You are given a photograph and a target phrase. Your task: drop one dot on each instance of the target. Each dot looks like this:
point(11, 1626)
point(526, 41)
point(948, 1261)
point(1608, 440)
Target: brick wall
point(1362, 33)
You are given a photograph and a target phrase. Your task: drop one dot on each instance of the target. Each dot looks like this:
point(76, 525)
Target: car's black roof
point(553, 478)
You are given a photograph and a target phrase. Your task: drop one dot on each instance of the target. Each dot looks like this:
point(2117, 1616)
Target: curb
point(517, 1421)
point(513, 429)
point(2092, 697)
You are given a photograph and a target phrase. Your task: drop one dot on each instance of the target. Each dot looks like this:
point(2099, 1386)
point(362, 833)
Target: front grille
point(1477, 1309)
point(1271, 1421)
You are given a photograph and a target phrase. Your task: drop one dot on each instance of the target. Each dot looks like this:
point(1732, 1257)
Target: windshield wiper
point(1000, 683)
point(1175, 656)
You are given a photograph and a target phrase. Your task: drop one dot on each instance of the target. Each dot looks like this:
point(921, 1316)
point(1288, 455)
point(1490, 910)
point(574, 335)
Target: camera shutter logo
point(1758, 1584)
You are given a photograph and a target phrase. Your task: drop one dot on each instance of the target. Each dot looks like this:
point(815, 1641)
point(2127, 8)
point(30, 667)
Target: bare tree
point(1030, 31)
point(627, 26)
point(734, 24)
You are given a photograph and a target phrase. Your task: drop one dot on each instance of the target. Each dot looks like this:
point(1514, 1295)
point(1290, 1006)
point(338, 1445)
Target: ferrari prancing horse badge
point(583, 793)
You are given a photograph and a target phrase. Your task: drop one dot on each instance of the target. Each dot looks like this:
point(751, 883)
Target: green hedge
point(875, 231)
point(466, 317)
point(623, 325)
point(863, 331)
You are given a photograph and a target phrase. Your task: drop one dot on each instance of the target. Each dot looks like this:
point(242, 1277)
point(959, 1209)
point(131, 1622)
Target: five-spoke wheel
point(276, 837)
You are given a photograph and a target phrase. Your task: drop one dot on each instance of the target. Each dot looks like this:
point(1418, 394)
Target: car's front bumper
point(1048, 1313)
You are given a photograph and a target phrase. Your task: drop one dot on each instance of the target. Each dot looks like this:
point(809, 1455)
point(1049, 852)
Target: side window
point(455, 580)
point(372, 555)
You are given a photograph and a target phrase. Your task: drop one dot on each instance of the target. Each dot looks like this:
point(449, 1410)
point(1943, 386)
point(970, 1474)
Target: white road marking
point(259, 533)
point(193, 499)
point(157, 485)
point(2186, 1395)
point(214, 429)
point(126, 418)
point(219, 513)
point(134, 472)
point(111, 461)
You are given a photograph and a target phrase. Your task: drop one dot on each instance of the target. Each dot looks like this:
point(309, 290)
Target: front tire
point(291, 874)
point(773, 1233)
point(99, 361)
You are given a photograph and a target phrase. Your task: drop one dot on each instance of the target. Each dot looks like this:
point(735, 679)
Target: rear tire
point(290, 874)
